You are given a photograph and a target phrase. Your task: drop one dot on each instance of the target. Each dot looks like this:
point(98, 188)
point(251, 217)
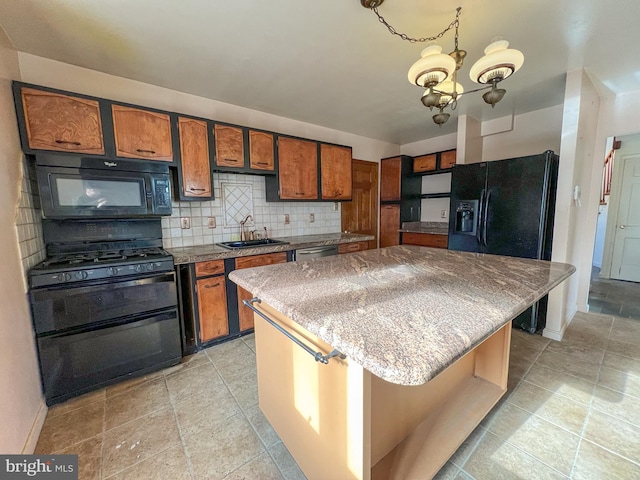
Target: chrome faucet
point(243, 234)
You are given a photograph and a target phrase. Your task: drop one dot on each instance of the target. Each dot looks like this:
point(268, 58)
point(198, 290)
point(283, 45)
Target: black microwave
point(82, 187)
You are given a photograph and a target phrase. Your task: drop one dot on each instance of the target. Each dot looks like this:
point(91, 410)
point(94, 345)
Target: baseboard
point(36, 427)
point(558, 334)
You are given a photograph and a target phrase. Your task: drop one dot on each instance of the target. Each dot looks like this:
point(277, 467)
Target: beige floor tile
point(215, 453)
point(170, 464)
point(614, 434)
point(624, 407)
point(194, 360)
point(261, 425)
point(67, 429)
point(223, 350)
point(559, 410)
point(561, 383)
point(448, 472)
point(463, 476)
point(136, 402)
point(585, 338)
point(586, 370)
point(286, 463)
point(624, 364)
point(238, 363)
point(462, 454)
point(250, 340)
point(496, 459)
point(624, 349)
point(548, 443)
point(135, 382)
point(593, 463)
point(579, 352)
point(185, 383)
point(77, 402)
point(624, 382)
point(205, 409)
point(521, 338)
point(626, 330)
point(133, 442)
point(262, 467)
point(89, 457)
point(244, 389)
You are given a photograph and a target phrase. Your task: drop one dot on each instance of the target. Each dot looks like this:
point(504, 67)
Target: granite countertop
point(434, 228)
point(202, 253)
point(404, 313)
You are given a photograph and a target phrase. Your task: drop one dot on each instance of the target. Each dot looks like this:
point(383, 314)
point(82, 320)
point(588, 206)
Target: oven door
point(76, 362)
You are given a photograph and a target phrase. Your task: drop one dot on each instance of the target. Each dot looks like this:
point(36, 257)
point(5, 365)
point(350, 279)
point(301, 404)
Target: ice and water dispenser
point(466, 217)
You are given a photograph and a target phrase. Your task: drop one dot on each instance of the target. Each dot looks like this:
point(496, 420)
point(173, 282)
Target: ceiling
point(330, 62)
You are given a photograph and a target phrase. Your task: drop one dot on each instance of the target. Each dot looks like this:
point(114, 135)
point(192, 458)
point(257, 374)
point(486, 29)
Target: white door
point(625, 263)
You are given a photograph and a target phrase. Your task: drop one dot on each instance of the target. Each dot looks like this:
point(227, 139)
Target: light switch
point(286, 219)
point(211, 222)
point(185, 223)
point(312, 218)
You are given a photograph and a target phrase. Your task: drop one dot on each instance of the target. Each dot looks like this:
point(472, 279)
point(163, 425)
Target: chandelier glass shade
point(437, 72)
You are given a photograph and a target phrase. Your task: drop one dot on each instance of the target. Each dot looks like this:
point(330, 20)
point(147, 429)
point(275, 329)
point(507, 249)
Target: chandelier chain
point(454, 24)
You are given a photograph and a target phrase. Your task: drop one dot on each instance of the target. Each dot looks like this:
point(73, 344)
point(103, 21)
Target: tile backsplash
point(235, 197)
point(29, 218)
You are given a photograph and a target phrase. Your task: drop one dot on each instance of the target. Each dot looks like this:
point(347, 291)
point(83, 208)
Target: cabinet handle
point(68, 142)
point(211, 286)
point(232, 160)
point(140, 150)
point(262, 163)
point(299, 193)
point(196, 189)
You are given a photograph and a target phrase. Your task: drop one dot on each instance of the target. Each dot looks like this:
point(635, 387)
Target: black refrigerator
point(506, 207)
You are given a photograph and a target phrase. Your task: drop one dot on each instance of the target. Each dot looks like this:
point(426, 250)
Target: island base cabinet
point(340, 421)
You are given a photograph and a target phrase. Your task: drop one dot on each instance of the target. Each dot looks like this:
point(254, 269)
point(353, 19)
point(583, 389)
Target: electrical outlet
point(286, 219)
point(335, 206)
point(443, 214)
point(185, 223)
point(312, 218)
point(211, 222)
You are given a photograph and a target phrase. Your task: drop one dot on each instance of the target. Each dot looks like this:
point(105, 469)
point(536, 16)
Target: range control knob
point(63, 277)
point(112, 271)
point(150, 267)
point(80, 275)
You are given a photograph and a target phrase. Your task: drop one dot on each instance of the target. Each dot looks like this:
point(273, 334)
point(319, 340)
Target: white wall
point(601, 228)
point(22, 408)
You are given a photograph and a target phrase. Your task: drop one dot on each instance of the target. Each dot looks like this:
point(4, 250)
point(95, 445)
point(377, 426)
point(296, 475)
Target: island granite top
point(433, 228)
point(404, 313)
point(203, 253)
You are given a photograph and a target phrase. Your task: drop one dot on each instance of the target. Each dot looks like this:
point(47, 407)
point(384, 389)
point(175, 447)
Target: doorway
point(360, 215)
point(615, 275)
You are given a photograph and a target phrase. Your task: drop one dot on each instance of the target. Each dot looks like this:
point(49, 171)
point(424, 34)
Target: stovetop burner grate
point(76, 259)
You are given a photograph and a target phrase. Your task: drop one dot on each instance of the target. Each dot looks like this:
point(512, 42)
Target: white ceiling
point(331, 62)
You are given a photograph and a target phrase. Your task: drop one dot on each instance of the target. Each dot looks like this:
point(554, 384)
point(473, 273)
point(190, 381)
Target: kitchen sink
point(251, 243)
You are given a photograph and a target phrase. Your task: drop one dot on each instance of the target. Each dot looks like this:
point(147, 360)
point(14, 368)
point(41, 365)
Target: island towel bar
point(318, 356)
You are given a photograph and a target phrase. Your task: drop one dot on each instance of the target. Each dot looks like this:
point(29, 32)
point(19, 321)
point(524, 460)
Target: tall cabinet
point(399, 197)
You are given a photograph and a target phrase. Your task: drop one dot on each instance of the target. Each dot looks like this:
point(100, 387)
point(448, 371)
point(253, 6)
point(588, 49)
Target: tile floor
point(572, 411)
point(613, 297)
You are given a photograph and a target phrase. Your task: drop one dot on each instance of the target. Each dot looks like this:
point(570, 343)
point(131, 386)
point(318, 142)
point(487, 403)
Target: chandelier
point(437, 72)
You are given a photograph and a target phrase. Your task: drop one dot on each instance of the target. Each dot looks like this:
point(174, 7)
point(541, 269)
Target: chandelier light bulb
point(432, 68)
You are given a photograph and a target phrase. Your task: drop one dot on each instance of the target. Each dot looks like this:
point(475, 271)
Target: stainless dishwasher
point(315, 252)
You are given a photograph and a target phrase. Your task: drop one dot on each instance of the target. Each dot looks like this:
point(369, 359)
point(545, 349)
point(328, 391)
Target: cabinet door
point(353, 247)
point(194, 157)
point(335, 167)
point(424, 239)
point(142, 134)
point(60, 122)
point(389, 225)
point(424, 163)
point(261, 154)
point(390, 175)
point(447, 159)
point(229, 146)
point(212, 308)
point(297, 169)
point(245, 314)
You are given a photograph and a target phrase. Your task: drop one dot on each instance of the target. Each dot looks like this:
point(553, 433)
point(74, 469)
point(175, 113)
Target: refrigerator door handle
point(479, 222)
point(485, 212)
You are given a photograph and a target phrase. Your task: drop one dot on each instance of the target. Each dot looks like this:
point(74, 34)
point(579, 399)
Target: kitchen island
point(420, 340)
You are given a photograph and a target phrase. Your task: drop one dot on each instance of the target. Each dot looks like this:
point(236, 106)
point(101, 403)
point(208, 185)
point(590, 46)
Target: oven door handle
point(147, 318)
point(86, 287)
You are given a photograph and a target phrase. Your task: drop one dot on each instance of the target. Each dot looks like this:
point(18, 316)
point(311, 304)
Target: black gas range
point(104, 304)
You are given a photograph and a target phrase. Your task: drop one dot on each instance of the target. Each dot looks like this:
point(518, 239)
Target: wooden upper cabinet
point(61, 122)
point(297, 169)
point(390, 177)
point(389, 225)
point(229, 146)
point(335, 167)
point(424, 163)
point(142, 134)
point(212, 308)
point(447, 159)
point(194, 157)
point(261, 152)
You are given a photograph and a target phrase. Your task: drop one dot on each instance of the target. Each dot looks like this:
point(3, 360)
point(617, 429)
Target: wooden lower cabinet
point(389, 225)
point(245, 316)
point(212, 308)
point(424, 239)
point(353, 247)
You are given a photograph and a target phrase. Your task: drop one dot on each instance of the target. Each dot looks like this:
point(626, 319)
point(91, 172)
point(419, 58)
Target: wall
point(22, 409)
point(572, 237)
